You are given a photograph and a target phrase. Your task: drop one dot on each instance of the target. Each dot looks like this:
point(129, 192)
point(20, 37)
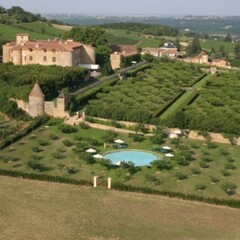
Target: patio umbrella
point(98, 156)
point(118, 163)
point(169, 155)
point(91, 150)
point(166, 148)
point(119, 141)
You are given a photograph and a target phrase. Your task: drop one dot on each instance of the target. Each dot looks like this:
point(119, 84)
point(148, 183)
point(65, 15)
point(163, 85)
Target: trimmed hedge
point(133, 73)
point(199, 79)
point(35, 124)
point(83, 98)
point(225, 202)
point(160, 111)
point(44, 177)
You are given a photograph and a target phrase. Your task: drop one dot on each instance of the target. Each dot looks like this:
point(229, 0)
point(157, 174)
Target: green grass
point(59, 167)
point(41, 27)
point(8, 33)
point(40, 210)
point(181, 102)
point(209, 44)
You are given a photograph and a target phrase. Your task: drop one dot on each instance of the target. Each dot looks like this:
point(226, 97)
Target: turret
point(36, 101)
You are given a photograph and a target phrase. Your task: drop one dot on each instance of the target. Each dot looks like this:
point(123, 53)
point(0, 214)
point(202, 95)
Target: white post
point(105, 145)
point(95, 181)
point(83, 114)
point(109, 183)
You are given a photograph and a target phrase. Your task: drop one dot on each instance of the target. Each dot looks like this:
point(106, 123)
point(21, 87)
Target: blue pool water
point(139, 158)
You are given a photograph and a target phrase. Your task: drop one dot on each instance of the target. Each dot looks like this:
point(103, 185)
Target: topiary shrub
point(230, 166)
point(43, 143)
point(203, 165)
point(58, 155)
point(53, 136)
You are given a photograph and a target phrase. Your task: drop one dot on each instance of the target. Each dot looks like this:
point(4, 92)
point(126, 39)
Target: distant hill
point(141, 28)
point(16, 20)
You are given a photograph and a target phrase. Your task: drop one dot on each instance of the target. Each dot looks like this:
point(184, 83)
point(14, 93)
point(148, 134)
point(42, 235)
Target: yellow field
point(46, 211)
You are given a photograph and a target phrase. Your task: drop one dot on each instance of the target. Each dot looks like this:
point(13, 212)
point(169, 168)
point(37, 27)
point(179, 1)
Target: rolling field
point(40, 210)
point(8, 33)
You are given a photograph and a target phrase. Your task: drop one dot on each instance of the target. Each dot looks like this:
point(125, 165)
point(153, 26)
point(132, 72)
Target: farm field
point(116, 36)
point(8, 33)
point(50, 151)
point(40, 210)
point(139, 99)
point(209, 44)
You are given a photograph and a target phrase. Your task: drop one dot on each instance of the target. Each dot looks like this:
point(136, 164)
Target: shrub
point(43, 142)
point(212, 145)
point(38, 166)
point(72, 170)
point(162, 164)
point(229, 166)
point(36, 157)
point(58, 155)
point(68, 143)
point(181, 176)
point(55, 121)
point(37, 149)
point(68, 128)
point(207, 159)
point(153, 180)
point(84, 125)
point(230, 159)
point(136, 137)
point(229, 188)
point(225, 173)
point(224, 152)
point(182, 161)
point(200, 186)
point(53, 136)
point(203, 165)
point(196, 171)
point(214, 179)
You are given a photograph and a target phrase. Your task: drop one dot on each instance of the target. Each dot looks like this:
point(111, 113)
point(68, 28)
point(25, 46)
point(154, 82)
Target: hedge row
point(226, 202)
point(44, 177)
point(160, 111)
point(83, 98)
point(121, 187)
point(133, 73)
point(35, 124)
point(199, 79)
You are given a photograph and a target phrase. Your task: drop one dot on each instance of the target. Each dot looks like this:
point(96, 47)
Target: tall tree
point(237, 51)
point(195, 46)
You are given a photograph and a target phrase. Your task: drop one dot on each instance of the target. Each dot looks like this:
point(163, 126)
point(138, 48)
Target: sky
point(129, 7)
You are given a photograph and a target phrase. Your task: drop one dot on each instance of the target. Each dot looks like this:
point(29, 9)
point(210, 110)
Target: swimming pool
point(138, 157)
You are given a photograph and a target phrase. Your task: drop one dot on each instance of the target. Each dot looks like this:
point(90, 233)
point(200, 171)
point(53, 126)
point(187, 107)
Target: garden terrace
point(216, 109)
point(139, 98)
point(199, 168)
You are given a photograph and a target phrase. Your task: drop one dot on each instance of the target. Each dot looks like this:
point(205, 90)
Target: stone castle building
point(37, 106)
point(47, 52)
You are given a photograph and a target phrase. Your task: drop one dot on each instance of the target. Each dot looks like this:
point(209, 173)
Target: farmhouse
point(47, 52)
point(37, 106)
point(201, 58)
point(120, 52)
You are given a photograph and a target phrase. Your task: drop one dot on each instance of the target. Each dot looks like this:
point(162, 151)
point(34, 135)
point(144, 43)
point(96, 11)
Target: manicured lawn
point(40, 210)
point(71, 163)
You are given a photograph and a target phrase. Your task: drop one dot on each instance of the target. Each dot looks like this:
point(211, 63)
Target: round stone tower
point(36, 101)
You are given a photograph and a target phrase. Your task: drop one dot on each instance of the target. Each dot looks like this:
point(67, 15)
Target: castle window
point(30, 50)
point(53, 50)
point(30, 58)
point(44, 58)
point(44, 50)
point(54, 59)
